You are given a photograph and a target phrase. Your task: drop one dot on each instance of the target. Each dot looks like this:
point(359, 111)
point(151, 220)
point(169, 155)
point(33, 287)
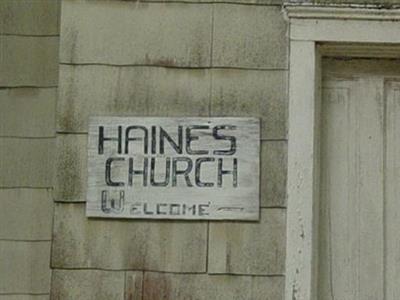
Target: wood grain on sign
point(173, 168)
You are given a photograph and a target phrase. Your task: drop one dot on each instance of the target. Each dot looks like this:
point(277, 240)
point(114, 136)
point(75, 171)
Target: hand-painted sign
point(173, 168)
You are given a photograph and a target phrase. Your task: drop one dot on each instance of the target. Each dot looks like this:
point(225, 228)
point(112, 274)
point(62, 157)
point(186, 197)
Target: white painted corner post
point(317, 31)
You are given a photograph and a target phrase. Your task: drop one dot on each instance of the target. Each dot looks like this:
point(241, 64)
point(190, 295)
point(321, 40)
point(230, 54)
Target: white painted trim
point(347, 29)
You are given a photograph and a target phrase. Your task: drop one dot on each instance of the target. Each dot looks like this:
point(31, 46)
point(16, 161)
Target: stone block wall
point(155, 58)
point(29, 39)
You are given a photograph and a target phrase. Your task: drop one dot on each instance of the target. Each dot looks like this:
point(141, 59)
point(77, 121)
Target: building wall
point(135, 58)
point(29, 39)
point(169, 59)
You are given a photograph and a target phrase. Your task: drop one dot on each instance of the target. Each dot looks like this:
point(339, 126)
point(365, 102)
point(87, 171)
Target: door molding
point(314, 32)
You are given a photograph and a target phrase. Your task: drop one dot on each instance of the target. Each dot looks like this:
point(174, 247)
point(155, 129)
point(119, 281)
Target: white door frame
point(316, 31)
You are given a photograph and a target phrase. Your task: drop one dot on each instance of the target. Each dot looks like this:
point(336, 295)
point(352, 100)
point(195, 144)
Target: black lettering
point(143, 172)
point(167, 172)
point(145, 138)
point(102, 139)
point(232, 139)
point(109, 161)
point(189, 209)
point(177, 147)
point(147, 212)
point(190, 137)
point(202, 209)
point(198, 181)
point(176, 212)
point(185, 172)
point(159, 212)
point(222, 172)
point(153, 140)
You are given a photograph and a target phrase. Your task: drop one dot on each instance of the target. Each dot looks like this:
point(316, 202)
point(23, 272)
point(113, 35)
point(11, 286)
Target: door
point(359, 233)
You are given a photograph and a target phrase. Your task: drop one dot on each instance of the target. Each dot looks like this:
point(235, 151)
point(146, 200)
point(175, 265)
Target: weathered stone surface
point(27, 17)
point(384, 3)
point(24, 267)
point(71, 167)
point(129, 91)
point(28, 61)
point(26, 162)
point(173, 35)
point(204, 287)
point(88, 285)
point(249, 37)
point(273, 173)
point(80, 242)
point(27, 112)
point(25, 214)
point(249, 248)
point(252, 93)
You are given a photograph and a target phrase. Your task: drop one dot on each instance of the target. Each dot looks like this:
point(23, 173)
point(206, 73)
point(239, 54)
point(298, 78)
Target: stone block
point(28, 112)
point(205, 287)
point(129, 91)
point(171, 246)
point(26, 162)
point(250, 36)
point(27, 17)
point(26, 214)
point(252, 93)
point(28, 61)
point(24, 267)
point(88, 285)
point(273, 173)
point(172, 35)
point(249, 248)
point(71, 167)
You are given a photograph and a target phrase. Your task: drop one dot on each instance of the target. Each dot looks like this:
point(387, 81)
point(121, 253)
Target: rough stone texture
point(384, 3)
point(24, 297)
point(88, 285)
point(80, 242)
point(27, 112)
point(27, 17)
point(252, 93)
point(249, 248)
point(273, 173)
point(134, 91)
point(249, 37)
point(71, 167)
point(24, 267)
point(204, 287)
point(25, 214)
point(156, 34)
point(28, 61)
point(26, 162)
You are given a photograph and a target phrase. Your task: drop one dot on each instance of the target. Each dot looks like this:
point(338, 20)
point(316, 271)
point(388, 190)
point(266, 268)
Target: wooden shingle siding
point(171, 246)
point(29, 17)
point(35, 106)
point(25, 214)
point(249, 37)
point(129, 91)
point(28, 61)
point(173, 35)
point(204, 287)
point(26, 162)
point(29, 38)
point(24, 267)
point(249, 248)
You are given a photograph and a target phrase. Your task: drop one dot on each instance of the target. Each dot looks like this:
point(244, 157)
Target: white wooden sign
point(173, 168)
